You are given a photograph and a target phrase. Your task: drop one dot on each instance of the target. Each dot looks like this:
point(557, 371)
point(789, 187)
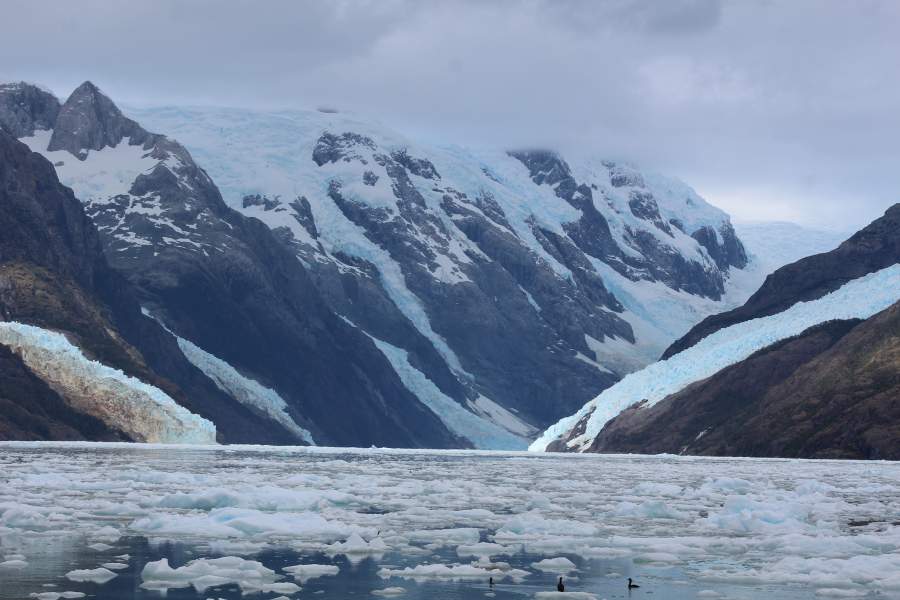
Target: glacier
point(482, 431)
point(144, 412)
point(245, 390)
point(857, 299)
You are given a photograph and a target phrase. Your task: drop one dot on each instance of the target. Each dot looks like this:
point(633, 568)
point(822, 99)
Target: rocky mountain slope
point(872, 248)
point(79, 359)
point(225, 282)
point(521, 280)
point(394, 293)
point(808, 367)
point(831, 392)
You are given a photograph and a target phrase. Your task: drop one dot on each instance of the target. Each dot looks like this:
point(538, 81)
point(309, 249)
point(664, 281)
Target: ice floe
point(433, 517)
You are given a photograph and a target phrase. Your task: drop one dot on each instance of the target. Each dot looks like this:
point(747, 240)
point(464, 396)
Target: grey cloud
point(772, 109)
point(671, 16)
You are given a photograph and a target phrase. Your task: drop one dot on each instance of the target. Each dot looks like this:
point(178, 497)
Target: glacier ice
point(482, 432)
point(245, 390)
point(144, 412)
point(857, 299)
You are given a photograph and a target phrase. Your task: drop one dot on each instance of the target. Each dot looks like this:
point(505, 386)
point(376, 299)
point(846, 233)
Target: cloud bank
point(771, 109)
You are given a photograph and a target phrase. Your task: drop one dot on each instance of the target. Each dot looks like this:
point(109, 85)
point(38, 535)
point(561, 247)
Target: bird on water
point(632, 585)
point(559, 586)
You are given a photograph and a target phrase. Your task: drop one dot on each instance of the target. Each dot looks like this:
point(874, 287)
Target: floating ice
point(355, 544)
point(99, 575)
point(390, 591)
point(304, 573)
point(205, 573)
point(237, 522)
point(555, 565)
point(814, 525)
point(486, 549)
point(452, 572)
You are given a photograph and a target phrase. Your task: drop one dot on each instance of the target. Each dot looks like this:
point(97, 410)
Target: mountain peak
point(25, 107)
point(89, 120)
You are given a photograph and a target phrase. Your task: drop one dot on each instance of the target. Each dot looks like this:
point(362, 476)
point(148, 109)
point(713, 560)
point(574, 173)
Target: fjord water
point(423, 524)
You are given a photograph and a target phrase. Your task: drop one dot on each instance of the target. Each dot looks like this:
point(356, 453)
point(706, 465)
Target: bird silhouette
point(559, 586)
point(632, 585)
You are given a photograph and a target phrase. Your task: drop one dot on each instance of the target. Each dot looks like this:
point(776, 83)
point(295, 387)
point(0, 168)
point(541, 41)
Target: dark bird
point(559, 586)
point(491, 582)
point(632, 585)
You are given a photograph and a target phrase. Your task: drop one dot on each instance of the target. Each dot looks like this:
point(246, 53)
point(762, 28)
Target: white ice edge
point(858, 299)
point(122, 401)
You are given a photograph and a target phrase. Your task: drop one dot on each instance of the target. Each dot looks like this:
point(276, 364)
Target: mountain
point(79, 359)
point(875, 247)
point(809, 366)
point(225, 283)
point(367, 290)
point(530, 279)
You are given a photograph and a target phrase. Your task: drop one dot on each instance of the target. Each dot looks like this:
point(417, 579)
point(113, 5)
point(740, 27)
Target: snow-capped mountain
point(225, 284)
point(79, 361)
point(529, 279)
point(401, 293)
point(750, 380)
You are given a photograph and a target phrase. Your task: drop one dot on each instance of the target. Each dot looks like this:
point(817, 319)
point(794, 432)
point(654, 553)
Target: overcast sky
point(783, 109)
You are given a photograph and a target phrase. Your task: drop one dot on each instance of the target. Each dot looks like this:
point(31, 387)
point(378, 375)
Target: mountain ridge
point(375, 256)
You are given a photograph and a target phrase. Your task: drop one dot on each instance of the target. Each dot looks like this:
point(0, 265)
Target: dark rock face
point(657, 262)
point(591, 232)
point(53, 274)
point(90, 121)
point(332, 148)
point(518, 352)
point(873, 248)
point(416, 166)
point(729, 252)
point(25, 108)
point(832, 392)
point(643, 206)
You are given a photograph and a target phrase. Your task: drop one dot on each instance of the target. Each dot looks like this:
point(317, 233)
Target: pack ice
point(431, 518)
